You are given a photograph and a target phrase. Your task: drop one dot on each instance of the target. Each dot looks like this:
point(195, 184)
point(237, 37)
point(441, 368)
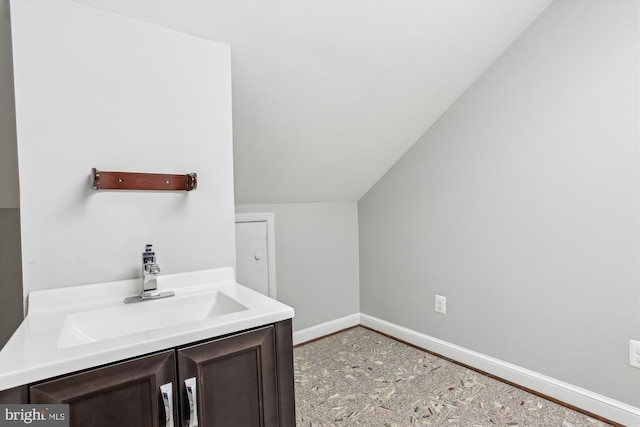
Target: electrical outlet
point(441, 304)
point(634, 353)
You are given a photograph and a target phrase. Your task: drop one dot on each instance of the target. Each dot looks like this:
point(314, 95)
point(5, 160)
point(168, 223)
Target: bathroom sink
point(73, 328)
point(126, 319)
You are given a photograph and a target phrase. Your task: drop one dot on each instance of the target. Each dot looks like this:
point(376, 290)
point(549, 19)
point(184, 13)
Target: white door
point(252, 263)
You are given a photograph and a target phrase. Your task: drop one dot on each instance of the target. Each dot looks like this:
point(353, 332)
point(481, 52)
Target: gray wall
point(521, 206)
point(9, 188)
point(316, 259)
point(11, 312)
point(10, 259)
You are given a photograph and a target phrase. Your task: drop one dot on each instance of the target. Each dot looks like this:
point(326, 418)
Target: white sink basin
point(79, 327)
point(102, 324)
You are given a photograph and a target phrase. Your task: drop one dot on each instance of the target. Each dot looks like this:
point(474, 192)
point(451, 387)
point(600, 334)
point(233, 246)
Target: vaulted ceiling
point(329, 94)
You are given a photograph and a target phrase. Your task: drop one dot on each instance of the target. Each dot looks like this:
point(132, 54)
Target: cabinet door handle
point(192, 395)
point(166, 390)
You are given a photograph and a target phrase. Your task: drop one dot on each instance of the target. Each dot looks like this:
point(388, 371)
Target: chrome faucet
point(150, 270)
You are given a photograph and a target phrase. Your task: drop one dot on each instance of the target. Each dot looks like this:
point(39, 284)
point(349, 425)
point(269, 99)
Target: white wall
point(521, 206)
point(316, 259)
point(95, 89)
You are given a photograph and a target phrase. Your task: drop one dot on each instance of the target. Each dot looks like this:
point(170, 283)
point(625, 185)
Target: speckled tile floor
point(361, 378)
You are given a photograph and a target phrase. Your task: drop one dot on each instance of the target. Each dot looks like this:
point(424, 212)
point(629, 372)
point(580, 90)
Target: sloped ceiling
point(328, 95)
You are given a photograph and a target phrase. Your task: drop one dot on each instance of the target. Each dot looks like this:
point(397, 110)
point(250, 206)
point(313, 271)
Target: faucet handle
point(148, 256)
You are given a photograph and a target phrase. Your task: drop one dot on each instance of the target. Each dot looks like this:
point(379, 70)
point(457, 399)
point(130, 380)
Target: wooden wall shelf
point(103, 180)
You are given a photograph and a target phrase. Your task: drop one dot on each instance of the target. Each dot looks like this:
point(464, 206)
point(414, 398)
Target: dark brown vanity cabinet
point(236, 382)
point(14, 395)
point(241, 380)
point(124, 394)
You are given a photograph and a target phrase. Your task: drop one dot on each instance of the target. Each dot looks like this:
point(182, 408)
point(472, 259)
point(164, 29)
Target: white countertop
point(39, 350)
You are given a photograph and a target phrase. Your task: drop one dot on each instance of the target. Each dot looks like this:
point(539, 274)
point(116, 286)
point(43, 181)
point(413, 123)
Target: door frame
point(269, 218)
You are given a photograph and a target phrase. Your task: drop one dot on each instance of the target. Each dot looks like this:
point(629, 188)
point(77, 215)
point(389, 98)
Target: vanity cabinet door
point(235, 380)
point(125, 394)
point(14, 395)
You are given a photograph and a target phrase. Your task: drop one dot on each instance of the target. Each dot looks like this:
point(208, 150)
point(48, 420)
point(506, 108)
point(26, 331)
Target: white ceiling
point(328, 95)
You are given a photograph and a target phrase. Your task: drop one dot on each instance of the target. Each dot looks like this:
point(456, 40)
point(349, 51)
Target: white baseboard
point(589, 401)
point(315, 332)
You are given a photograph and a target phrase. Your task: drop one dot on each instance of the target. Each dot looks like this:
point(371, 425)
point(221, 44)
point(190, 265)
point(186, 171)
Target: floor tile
point(361, 378)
